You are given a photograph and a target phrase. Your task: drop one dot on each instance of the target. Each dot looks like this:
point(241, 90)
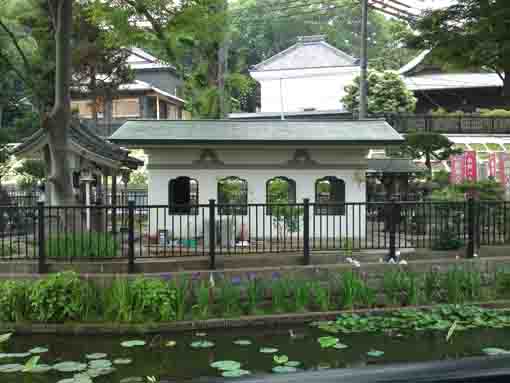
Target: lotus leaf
point(323, 366)
point(495, 351)
point(15, 355)
point(202, 344)
point(67, 380)
point(340, 346)
point(268, 350)
point(32, 362)
point(41, 368)
point(242, 342)
point(38, 350)
point(133, 343)
point(132, 379)
point(201, 334)
point(70, 366)
point(284, 369)
point(97, 355)
point(328, 341)
point(226, 365)
point(95, 372)
point(375, 353)
point(280, 359)
point(171, 343)
point(235, 373)
point(5, 337)
point(100, 363)
point(293, 363)
point(11, 367)
point(82, 378)
point(123, 361)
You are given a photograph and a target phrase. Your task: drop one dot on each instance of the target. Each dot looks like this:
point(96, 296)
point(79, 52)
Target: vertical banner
point(470, 166)
point(504, 171)
point(492, 165)
point(457, 169)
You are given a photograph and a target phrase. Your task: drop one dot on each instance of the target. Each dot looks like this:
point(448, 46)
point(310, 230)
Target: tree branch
point(16, 45)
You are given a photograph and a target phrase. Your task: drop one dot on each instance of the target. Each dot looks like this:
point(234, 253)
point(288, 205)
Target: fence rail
point(464, 124)
point(133, 232)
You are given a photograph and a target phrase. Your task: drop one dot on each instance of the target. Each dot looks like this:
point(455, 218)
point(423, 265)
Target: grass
point(82, 245)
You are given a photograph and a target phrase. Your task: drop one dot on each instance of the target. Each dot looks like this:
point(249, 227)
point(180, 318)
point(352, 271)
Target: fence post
point(131, 236)
point(41, 240)
point(470, 248)
point(212, 234)
point(393, 210)
point(306, 231)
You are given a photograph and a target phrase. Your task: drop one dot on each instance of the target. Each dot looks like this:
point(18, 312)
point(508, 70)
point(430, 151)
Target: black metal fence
point(462, 124)
point(133, 232)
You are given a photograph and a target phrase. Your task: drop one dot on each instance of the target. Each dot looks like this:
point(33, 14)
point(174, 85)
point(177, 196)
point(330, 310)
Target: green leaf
point(5, 337)
point(38, 350)
point(235, 373)
point(284, 369)
point(495, 351)
point(202, 344)
point(242, 342)
point(328, 341)
point(293, 363)
point(70, 366)
point(226, 365)
point(133, 343)
point(11, 368)
point(375, 353)
point(122, 361)
point(280, 359)
point(31, 363)
point(268, 350)
point(97, 355)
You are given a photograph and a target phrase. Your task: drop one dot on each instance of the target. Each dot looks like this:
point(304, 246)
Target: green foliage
point(138, 178)
point(254, 295)
point(301, 292)
point(502, 283)
point(462, 285)
point(203, 305)
point(280, 292)
point(354, 291)
point(229, 297)
point(13, 301)
point(495, 113)
point(61, 297)
point(321, 294)
point(153, 299)
point(31, 172)
point(82, 245)
point(485, 190)
point(387, 93)
point(401, 288)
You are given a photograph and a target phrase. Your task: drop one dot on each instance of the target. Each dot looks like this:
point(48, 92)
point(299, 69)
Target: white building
point(309, 75)
point(189, 163)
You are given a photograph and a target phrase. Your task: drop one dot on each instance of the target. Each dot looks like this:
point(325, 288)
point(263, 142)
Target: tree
point(427, 145)
point(469, 34)
point(387, 93)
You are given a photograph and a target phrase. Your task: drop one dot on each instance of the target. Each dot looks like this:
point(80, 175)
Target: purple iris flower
point(195, 276)
point(236, 280)
point(252, 276)
point(276, 275)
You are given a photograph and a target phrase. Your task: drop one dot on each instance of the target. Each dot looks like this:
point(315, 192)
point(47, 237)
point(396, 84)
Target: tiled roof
point(140, 59)
point(308, 52)
point(310, 132)
point(438, 81)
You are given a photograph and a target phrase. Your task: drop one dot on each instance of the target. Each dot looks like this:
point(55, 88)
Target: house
point(152, 94)
point(435, 88)
point(235, 162)
point(310, 75)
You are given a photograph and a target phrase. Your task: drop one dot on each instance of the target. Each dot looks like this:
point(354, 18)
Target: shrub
point(82, 245)
point(61, 297)
point(153, 299)
point(14, 303)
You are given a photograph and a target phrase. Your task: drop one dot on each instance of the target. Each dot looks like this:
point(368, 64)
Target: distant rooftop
point(140, 59)
point(307, 52)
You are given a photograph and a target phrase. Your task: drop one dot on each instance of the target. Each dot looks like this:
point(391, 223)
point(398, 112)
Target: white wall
point(258, 224)
point(320, 89)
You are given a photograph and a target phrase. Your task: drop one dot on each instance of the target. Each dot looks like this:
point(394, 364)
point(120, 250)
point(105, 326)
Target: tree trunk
point(59, 120)
point(428, 164)
point(506, 89)
point(1, 115)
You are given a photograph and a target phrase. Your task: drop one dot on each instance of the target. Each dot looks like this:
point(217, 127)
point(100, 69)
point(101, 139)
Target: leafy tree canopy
point(387, 93)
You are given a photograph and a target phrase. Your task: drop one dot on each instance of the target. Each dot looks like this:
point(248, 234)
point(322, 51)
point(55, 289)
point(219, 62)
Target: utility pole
point(363, 86)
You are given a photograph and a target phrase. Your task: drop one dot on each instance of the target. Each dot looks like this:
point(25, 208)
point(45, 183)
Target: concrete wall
point(257, 166)
point(319, 89)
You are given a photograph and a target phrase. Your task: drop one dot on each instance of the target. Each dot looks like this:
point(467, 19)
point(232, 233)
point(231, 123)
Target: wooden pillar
point(157, 107)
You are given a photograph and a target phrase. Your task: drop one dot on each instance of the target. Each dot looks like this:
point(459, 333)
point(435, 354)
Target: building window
point(183, 196)
point(280, 190)
point(329, 196)
point(233, 191)
point(125, 108)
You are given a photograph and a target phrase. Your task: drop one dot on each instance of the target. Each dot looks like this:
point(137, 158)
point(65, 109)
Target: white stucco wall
point(319, 89)
point(164, 165)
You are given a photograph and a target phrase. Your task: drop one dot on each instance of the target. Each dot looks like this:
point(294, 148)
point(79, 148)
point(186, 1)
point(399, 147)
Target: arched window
point(329, 196)
point(280, 190)
point(233, 191)
point(183, 196)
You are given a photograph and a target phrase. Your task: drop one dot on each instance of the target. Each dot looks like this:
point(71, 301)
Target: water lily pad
point(242, 342)
point(340, 346)
point(268, 350)
point(202, 344)
point(375, 353)
point(171, 343)
point(38, 350)
point(123, 361)
point(132, 379)
point(100, 363)
point(280, 359)
point(67, 380)
point(97, 355)
point(82, 378)
point(41, 368)
point(95, 372)
point(226, 365)
point(494, 351)
point(32, 362)
point(235, 373)
point(328, 341)
point(201, 334)
point(284, 369)
point(15, 355)
point(323, 366)
point(293, 363)
point(133, 343)
point(5, 337)
point(70, 367)
point(11, 367)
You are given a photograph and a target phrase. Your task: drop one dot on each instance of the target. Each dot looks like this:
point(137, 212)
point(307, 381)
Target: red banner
point(457, 169)
point(470, 166)
point(504, 170)
point(492, 165)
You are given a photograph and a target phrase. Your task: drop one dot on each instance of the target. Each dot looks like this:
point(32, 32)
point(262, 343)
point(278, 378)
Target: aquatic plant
point(180, 286)
point(432, 286)
point(301, 293)
point(321, 295)
point(354, 291)
point(153, 299)
point(254, 295)
point(400, 287)
point(461, 285)
point(279, 290)
point(14, 306)
point(229, 297)
point(203, 306)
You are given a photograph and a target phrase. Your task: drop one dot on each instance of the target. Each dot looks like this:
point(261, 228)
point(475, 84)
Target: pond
point(182, 362)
